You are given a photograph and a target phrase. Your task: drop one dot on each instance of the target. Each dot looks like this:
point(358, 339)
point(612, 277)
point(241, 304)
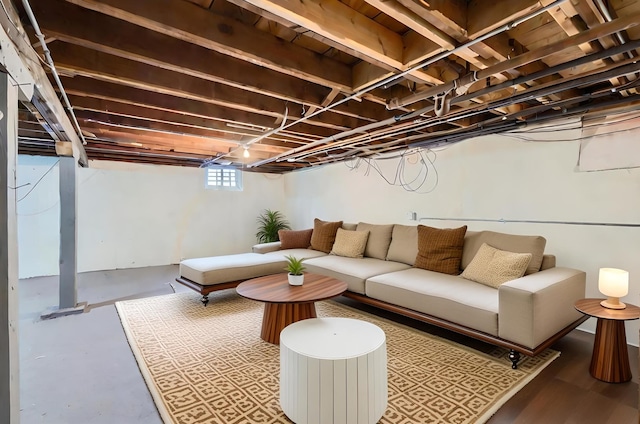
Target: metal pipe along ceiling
point(618, 69)
point(389, 80)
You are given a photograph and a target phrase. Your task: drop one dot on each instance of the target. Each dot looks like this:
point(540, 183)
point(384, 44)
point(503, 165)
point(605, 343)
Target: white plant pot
point(296, 280)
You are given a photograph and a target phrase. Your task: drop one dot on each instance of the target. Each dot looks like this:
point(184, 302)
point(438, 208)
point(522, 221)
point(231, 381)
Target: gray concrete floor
point(79, 368)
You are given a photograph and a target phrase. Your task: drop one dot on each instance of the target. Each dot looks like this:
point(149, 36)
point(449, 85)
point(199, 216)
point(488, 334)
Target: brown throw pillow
point(295, 239)
point(440, 249)
point(324, 235)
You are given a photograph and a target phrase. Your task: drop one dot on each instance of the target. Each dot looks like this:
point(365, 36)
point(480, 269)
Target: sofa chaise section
point(209, 274)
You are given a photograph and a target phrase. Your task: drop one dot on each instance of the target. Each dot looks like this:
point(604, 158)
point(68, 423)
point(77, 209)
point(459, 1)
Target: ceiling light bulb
point(246, 152)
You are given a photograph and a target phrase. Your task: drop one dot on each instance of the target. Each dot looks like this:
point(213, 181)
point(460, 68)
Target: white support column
point(9, 375)
point(68, 233)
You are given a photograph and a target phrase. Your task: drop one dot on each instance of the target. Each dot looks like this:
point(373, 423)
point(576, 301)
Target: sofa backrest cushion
point(324, 234)
point(379, 239)
point(349, 226)
point(510, 242)
point(493, 267)
point(295, 239)
point(440, 249)
point(404, 244)
point(350, 244)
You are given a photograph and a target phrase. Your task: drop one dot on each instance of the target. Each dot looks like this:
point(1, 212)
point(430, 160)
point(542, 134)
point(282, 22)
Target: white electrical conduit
point(417, 125)
point(470, 111)
point(47, 55)
point(387, 81)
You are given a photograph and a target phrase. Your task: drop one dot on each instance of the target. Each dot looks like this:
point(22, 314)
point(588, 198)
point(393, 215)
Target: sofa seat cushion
point(449, 297)
point(227, 268)
point(298, 253)
point(353, 271)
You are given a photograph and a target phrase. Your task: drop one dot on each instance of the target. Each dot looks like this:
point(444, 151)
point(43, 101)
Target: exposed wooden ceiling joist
point(184, 81)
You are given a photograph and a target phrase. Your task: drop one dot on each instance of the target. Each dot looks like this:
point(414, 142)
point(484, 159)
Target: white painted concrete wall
point(141, 215)
point(138, 215)
point(496, 178)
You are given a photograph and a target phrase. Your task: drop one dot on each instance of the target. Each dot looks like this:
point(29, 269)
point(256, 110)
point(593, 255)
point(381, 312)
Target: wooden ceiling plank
point(133, 42)
point(124, 109)
point(82, 86)
point(449, 16)
point(340, 23)
point(426, 30)
point(193, 24)
point(423, 27)
point(483, 19)
point(94, 64)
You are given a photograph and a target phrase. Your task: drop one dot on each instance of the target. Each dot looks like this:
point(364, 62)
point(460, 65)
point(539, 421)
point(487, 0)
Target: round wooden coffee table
point(610, 358)
point(285, 304)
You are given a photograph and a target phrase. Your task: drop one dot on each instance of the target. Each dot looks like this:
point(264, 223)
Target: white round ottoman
point(333, 370)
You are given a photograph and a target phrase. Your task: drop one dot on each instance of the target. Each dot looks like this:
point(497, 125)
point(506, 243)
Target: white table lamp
point(613, 283)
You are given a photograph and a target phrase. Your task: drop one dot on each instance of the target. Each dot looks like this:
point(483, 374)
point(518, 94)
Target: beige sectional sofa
point(526, 314)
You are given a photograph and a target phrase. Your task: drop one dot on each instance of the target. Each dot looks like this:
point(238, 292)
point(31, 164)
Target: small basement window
point(219, 178)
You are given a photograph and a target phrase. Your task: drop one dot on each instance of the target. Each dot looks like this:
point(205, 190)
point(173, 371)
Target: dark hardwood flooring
point(564, 392)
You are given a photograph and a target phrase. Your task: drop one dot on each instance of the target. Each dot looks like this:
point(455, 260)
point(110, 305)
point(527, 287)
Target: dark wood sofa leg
point(514, 357)
point(205, 299)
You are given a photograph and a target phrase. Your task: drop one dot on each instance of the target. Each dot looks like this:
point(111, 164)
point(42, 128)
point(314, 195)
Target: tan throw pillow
point(440, 249)
point(404, 244)
point(350, 244)
point(379, 239)
point(324, 234)
point(493, 267)
point(295, 239)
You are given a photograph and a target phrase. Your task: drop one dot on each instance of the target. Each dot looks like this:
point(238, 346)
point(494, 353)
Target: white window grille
point(224, 179)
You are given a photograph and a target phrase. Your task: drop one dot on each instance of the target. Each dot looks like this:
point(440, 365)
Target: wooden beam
point(90, 63)
point(48, 103)
point(193, 24)
point(136, 43)
point(342, 24)
point(86, 87)
point(170, 129)
point(483, 19)
point(449, 16)
point(9, 352)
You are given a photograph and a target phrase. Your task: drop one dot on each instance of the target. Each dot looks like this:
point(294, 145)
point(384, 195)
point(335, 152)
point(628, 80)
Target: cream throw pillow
point(492, 267)
point(350, 244)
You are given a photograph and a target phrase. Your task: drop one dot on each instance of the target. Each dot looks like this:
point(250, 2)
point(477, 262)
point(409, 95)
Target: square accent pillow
point(440, 249)
point(350, 244)
point(493, 267)
point(324, 234)
point(295, 239)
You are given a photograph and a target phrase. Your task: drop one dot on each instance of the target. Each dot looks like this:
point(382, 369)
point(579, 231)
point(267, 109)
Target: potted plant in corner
point(269, 223)
point(295, 268)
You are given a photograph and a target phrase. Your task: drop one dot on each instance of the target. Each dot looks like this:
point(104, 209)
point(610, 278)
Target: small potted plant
point(295, 268)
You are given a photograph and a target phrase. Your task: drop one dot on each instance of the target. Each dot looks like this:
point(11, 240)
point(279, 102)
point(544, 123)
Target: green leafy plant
point(294, 265)
point(269, 223)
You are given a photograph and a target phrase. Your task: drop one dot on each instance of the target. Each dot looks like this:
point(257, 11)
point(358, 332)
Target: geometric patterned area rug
point(209, 364)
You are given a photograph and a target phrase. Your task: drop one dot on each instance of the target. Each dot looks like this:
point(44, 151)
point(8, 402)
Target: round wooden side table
point(610, 358)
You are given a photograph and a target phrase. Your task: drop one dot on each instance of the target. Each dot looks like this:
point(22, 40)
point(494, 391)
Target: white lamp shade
point(613, 282)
